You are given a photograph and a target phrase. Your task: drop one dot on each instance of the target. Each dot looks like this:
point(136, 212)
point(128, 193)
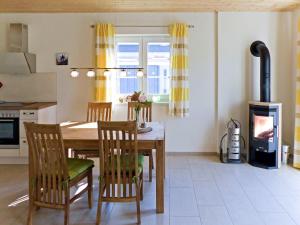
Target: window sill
point(154, 103)
point(161, 103)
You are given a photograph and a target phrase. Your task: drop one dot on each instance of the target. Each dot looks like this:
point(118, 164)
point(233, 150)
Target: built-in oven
point(9, 129)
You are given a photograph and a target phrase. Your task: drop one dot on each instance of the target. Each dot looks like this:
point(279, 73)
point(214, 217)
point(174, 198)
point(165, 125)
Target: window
point(128, 55)
point(151, 53)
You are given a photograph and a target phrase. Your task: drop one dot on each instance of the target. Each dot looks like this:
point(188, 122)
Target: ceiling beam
point(65, 6)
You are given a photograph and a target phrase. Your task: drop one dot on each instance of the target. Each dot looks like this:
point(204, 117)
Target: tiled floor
point(198, 191)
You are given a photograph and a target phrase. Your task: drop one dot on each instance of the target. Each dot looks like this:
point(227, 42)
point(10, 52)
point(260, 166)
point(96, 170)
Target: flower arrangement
point(140, 99)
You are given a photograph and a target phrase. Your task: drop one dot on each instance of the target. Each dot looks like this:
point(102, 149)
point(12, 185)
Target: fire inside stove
point(264, 128)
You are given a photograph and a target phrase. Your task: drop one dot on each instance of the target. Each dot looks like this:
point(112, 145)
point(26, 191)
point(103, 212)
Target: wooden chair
point(146, 116)
point(97, 111)
point(51, 174)
point(121, 167)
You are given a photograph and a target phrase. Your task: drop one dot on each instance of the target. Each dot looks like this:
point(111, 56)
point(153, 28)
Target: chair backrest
point(48, 172)
point(99, 111)
point(118, 157)
point(145, 112)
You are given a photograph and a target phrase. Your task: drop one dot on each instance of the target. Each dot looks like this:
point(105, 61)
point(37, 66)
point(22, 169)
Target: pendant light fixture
point(140, 73)
point(74, 73)
point(91, 72)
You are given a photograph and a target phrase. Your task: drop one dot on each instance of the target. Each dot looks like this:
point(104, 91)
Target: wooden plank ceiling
point(145, 5)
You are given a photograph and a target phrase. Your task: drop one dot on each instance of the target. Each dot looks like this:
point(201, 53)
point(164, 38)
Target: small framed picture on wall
point(62, 58)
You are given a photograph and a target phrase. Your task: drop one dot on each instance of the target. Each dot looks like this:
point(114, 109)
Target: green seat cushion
point(127, 162)
point(78, 166)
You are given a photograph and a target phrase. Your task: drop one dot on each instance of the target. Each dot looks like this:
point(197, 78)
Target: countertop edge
point(33, 106)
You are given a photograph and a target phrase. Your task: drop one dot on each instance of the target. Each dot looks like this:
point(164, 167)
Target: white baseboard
point(191, 153)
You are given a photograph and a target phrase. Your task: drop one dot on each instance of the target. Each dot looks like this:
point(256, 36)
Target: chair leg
point(30, 212)
point(90, 188)
point(152, 162)
point(150, 166)
point(138, 209)
point(67, 206)
point(99, 209)
point(142, 187)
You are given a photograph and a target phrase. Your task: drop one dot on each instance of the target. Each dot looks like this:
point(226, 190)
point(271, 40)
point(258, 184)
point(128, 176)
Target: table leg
point(164, 151)
point(164, 154)
point(160, 176)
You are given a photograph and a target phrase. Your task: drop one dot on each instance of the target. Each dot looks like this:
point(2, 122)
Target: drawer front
point(23, 147)
point(22, 128)
point(28, 115)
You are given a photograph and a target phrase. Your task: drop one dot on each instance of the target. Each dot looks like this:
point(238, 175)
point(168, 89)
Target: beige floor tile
point(177, 162)
point(185, 221)
point(214, 215)
point(277, 219)
point(183, 202)
point(180, 178)
point(201, 172)
point(264, 201)
point(207, 193)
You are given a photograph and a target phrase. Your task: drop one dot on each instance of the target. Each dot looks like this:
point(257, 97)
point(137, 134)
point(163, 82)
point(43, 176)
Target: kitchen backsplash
point(33, 87)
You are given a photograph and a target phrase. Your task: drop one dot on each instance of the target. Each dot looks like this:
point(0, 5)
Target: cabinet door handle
point(28, 113)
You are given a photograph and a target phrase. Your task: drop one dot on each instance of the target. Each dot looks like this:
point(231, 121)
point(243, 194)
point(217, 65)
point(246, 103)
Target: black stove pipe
point(259, 49)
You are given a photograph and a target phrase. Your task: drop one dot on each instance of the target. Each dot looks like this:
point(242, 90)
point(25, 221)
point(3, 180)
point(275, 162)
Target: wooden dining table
point(84, 135)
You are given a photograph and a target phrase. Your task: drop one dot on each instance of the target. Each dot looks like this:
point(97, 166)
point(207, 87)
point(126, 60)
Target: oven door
point(9, 133)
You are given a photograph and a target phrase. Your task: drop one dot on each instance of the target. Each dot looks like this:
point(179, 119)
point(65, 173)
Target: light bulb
point(91, 73)
point(139, 73)
point(106, 73)
point(123, 73)
point(74, 73)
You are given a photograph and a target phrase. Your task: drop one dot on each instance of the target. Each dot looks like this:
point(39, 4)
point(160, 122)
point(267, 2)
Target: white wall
point(29, 88)
point(214, 97)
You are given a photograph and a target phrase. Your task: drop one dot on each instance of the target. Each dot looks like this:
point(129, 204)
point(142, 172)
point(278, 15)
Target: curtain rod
point(189, 26)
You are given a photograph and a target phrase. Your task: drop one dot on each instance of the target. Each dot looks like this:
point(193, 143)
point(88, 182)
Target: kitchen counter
point(26, 105)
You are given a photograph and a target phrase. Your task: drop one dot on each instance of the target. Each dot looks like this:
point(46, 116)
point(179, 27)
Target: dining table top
point(88, 131)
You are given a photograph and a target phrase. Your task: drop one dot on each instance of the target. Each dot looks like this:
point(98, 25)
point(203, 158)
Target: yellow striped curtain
point(105, 44)
point(297, 119)
point(179, 89)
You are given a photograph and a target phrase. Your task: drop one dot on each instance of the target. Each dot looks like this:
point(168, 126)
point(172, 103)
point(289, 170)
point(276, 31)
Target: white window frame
point(143, 41)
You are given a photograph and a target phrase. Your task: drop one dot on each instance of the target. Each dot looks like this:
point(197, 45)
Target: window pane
point(153, 85)
point(158, 68)
point(128, 85)
point(128, 56)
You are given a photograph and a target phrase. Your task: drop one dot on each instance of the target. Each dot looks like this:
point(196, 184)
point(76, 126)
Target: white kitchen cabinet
point(45, 115)
point(23, 147)
point(28, 115)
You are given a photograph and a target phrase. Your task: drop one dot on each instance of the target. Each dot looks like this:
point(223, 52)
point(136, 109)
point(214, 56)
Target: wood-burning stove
point(264, 117)
point(265, 134)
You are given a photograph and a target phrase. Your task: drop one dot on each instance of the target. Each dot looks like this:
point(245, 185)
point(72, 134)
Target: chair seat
point(78, 166)
point(126, 160)
point(87, 153)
